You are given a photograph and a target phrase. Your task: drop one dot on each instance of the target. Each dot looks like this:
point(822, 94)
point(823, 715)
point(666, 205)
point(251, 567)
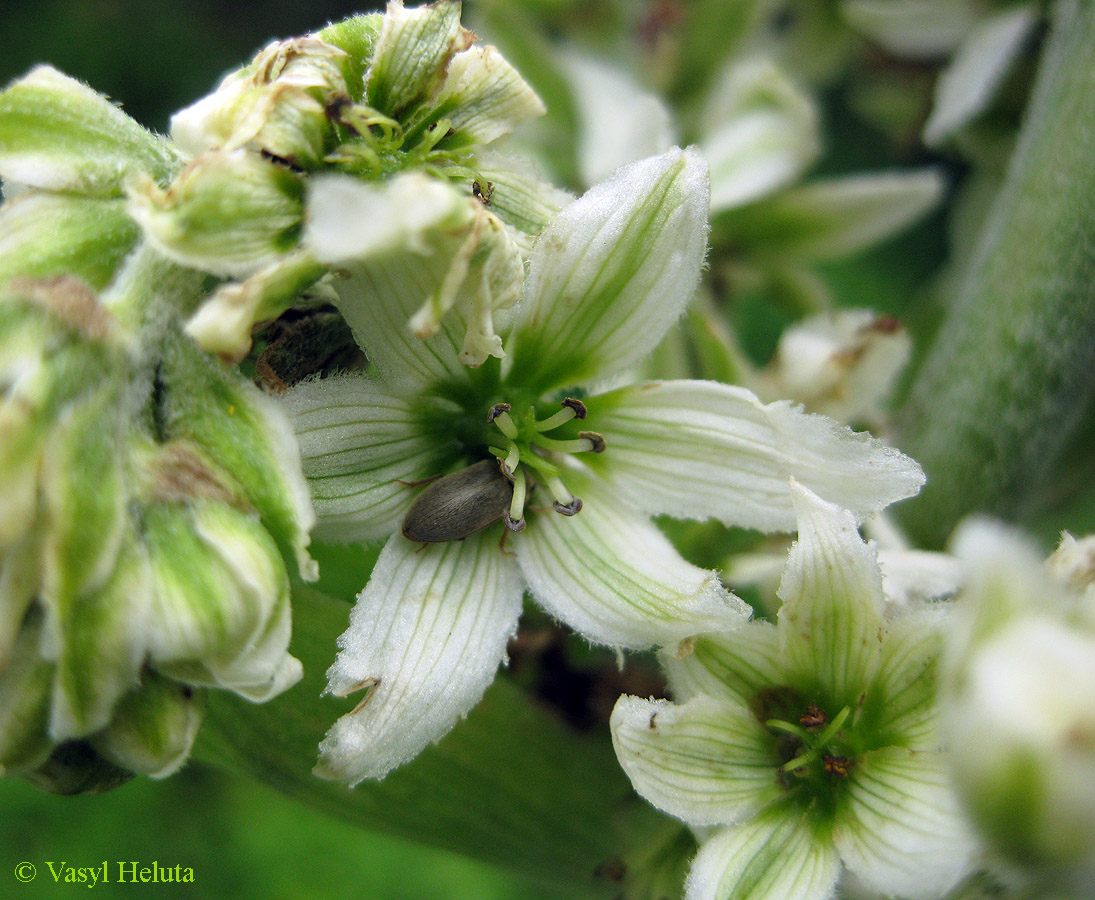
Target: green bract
point(139, 555)
point(807, 744)
point(151, 503)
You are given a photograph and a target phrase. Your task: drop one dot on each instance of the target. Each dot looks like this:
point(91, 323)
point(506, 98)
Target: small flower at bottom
point(587, 468)
point(1019, 685)
point(810, 745)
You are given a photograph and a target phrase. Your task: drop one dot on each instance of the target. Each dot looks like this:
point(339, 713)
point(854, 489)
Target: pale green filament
point(816, 745)
point(526, 445)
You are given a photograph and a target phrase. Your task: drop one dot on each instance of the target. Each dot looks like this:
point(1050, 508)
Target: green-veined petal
point(707, 762)
point(612, 272)
point(830, 624)
point(425, 639)
point(614, 578)
point(901, 831)
point(773, 857)
point(358, 442)
point(698, 449)
point(737, 664)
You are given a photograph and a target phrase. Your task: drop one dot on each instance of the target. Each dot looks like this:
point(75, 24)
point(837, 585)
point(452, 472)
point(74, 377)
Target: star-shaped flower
point(809, 745)
point(606, 279)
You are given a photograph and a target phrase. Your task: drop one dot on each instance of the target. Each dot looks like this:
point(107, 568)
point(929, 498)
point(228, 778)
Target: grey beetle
point(460, 504)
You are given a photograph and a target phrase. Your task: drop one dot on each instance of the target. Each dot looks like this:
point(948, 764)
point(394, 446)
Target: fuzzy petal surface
point(706, 762)
point(612, 576)
point(612, 272)
point(776, 857)
point(426, 637)
point(830, 624)
point(735, 665)
point(901, 831)
point(358, 442)
point(699, 449)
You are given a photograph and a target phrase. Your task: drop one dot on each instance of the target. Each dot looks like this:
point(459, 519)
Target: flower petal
point(358, 442)
point(901, 831)
point(612, 576)
point(427, 635)
point(901, 703)
point(842, 364)
point(774, 857)
point(487, 96)
point(697, 448)
point(966, 86)
point(830, 622)
point(520, 196)
point(919, 28)
point(612, 272)
point(762, 134)
point(707, 762)
point(737, 664)
point(427, 268)
point(412, 53)
point(833, 217)
point(619, 121)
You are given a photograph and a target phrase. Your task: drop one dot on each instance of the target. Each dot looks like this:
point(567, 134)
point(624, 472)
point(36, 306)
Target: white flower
point(1020, 712)
point(806, 746)
point(606, 279)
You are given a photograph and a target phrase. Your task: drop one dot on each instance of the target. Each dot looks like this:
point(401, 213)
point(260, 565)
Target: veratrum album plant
point(528, 441)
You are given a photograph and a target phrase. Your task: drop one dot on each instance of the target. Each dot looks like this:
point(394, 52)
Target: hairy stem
point(1012, 370)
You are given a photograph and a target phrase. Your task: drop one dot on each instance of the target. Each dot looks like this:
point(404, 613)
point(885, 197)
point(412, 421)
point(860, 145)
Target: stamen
point(515, 516)
point(582, 445)
point(495, 411)
point(562, 496)
point(554, 421)
point(505, 424)
point(577, 405)
point(596, 440)
point(570, 509)
point(512, 459)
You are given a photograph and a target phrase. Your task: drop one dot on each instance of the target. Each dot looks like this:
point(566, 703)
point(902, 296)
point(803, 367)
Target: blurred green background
point(241, 839)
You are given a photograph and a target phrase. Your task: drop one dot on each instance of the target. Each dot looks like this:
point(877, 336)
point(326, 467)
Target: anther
point(577, 405)
point(497, 410)
point(597, 440)
point(569, 509)
point(513, 525)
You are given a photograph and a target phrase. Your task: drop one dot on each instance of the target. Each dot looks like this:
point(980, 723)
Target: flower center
point(813, 747)
point(530, 456)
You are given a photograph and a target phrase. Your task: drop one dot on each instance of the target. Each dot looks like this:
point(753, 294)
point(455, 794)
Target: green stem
point(150, 289)
point(1012, 370)
point(509, 785)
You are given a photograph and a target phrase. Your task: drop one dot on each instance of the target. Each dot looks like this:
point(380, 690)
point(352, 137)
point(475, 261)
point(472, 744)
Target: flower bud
point(249, 437)
point(277, 105)
point(228, 212)
point(52, 334)
point(59, 134)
